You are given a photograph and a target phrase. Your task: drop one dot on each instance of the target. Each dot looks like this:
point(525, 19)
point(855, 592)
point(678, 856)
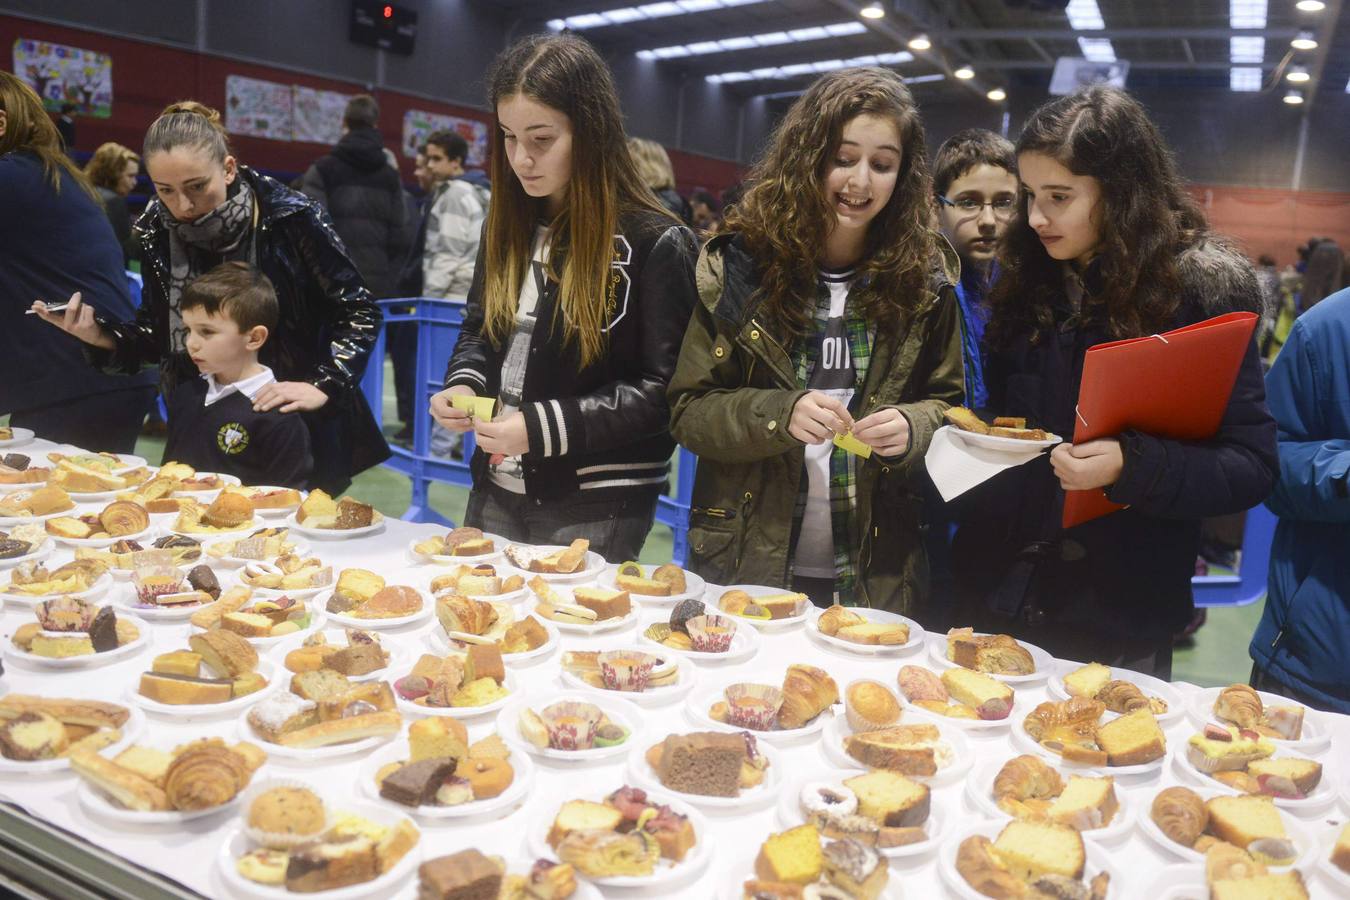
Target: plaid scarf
point(843, 469)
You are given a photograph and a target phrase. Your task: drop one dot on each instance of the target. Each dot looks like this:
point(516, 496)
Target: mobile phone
point(52, 308)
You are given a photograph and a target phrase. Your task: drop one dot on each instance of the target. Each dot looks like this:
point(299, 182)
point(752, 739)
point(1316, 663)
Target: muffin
point(870, 705)
point(283, 816)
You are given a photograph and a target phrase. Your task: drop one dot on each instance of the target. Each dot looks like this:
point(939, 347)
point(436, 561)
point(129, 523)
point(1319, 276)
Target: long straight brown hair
point(28, 127)
point(564, 73)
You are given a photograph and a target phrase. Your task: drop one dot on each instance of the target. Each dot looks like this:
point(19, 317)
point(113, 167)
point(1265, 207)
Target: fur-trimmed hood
point(1220, 279)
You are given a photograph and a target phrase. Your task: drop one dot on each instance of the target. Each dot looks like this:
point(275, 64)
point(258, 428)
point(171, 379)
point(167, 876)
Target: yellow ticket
point(848, 442)
point(479, 407)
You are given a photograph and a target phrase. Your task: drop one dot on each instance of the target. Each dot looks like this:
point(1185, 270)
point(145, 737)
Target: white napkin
point(957, 466)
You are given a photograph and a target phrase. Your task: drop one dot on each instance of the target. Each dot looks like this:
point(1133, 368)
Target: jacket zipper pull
point(1275, 644)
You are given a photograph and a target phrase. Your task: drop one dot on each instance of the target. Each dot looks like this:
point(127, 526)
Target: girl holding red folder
point(1107, 245)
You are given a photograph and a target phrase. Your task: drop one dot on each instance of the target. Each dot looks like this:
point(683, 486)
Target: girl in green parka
point(826, 309)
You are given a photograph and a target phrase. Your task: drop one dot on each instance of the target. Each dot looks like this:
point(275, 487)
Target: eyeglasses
point(1003, 207)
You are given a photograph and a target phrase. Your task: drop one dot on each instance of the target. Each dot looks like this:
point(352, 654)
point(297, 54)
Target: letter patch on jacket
point(616, 300)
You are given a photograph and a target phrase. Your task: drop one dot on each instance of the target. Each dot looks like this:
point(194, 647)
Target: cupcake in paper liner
point(870, 706)
point(155, 581)
point(626, 670)
point(711, 634)
point(572, 726)
point(753, 706)
point(281, 813)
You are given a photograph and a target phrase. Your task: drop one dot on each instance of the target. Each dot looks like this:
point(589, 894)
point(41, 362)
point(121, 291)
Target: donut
point(829, 799)
point(487, 777)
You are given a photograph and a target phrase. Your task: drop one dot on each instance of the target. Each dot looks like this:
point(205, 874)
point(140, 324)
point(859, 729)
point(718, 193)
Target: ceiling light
point(998, 95)
point(872, 11)
point(920, 42)
point(1084, 15)
point(1293, 98)
point(1304, 41)
point(1310, 5)
point(964, 73)
point(1298, 74)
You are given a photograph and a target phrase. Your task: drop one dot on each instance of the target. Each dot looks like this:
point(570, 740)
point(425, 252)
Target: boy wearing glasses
point(975, 182)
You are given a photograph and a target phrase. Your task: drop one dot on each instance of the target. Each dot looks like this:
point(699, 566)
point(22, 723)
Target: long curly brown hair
point(1147, 219)
point(785, 218)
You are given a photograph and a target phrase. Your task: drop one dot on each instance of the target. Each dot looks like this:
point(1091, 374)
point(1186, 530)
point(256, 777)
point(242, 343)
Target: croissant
point(458, 613)
point(1240, 705)
point(204, 777)
point(1122, 697)
point(123, 517)
point(807, 692)
point(918, 684)
point(1068, 720)
point(1224, 862)
point(836, 617)
point(1180, 814)
point(977, 865)
point(1026, 777)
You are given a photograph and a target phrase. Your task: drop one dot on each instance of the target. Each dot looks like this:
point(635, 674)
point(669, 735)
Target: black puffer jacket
point(604, 429)
point(327, 327)
point(1128, 573)
point(362, 193)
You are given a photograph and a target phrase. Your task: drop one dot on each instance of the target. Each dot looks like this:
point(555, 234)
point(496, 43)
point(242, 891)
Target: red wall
point(1267, 220)
point(147, 77)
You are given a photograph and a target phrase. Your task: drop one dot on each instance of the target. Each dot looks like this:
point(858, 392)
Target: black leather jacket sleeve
point(634, 405)
point(472, 364)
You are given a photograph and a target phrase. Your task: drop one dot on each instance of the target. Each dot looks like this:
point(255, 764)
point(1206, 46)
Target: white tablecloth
point(189, 853)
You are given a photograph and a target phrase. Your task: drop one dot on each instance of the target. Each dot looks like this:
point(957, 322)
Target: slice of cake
point(1287, 776)
point(891, 799)
point(604, 603)
point(1224, 748)
point(1284, 886)
point(466, 875)
point(1087, 680)
point(583, 815)
point(1132, 739)
point(707, 763)
point(1032, 849)
point(1241, 820)
point(990, 699)
point(1085, 803)
point(1340, 853)
point(907, 749)
point(855, 869)
point(793, 856)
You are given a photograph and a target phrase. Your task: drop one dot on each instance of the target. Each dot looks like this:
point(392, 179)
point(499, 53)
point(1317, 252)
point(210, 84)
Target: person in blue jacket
point(1301, 648)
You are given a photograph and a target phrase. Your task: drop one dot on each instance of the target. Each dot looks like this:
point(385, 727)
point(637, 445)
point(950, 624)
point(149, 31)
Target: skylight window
point(829, 65)
point(747, 42)
point(583, 21)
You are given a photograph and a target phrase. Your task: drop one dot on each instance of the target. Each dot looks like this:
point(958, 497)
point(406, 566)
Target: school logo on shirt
point(232, 438)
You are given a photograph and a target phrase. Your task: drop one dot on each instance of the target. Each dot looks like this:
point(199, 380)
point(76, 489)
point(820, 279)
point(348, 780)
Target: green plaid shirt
point(843, 465)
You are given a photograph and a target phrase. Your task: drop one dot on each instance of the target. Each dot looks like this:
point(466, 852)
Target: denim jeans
point(616, 528)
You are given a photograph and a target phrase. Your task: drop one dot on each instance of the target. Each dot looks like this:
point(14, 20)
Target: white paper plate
point(1316, 735)
point(1333, 874)
point(620, 712)
point(1044, 662)
point(201, 492)
point(422, 615)
point(1296, 830)
point(916, 633)
point(742, 869)
point(98, 496)
point(89, 660)
point(276, 680)
point(124, 598)
point(1024, 743)
point(756, 797)
point(278, 753)
point(755, 590)
point(667, 874)
point(21, 436)
point(745, 643)
point(514, 597)
point(130, 732)
point(1178, 882)
point(440, 645)
point(590, 569)
point(274, 512)
point(1006, 444)
point(980, 793)
point(98, 804)
point(399, 660)
point(695, 587)
point(446, 559)
point(963, 752)
point(334, 534)
point(504, 802)
point(1021, 706)
point(244, 530)
point(299, 548)
point(1322, 796)
point(146, 535)
point(262, 593)
point(43, 551)
point(237, 844)
point(604, 626)
point(941, 820)
point(6, 521)
point(698, 705)
point(519, 865)
point(7, 487)
point(685, 680)
point(409, 708)
point(1097, 861)
point(93, 592)
point(125, 461)
point(265, 644)
point(1152, 687)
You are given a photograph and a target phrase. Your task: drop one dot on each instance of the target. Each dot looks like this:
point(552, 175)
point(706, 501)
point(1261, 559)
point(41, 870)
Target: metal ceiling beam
point(1172, 64)
point(780, 55)
point(890, 29)
point(1114, 34)
point(1040, 51)
point(692, 32)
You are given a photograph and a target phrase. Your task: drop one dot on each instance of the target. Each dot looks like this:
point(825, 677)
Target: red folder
point(1174, 385)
